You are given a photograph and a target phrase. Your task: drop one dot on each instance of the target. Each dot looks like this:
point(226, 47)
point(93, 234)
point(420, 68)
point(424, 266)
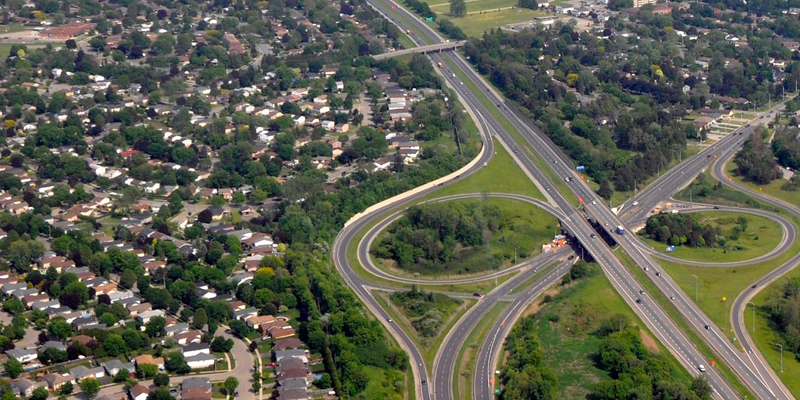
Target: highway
point(647, 309)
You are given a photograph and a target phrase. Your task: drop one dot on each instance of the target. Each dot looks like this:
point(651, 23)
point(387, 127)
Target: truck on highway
point(620, 230)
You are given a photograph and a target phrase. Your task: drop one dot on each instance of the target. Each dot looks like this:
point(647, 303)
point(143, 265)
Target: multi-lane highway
point(650, 312)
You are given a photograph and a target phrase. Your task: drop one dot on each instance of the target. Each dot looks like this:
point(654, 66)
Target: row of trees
point(783, 308)
point(684, 229)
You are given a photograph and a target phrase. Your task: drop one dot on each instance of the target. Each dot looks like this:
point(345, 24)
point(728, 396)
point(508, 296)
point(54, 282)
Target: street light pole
point(781, 346)
point(696, 291)
point(753, 327)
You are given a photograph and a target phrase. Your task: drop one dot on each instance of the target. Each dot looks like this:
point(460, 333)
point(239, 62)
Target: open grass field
point(565, 327)
point(716, 283)
point(762, 236)
point(13, 28)
point(474, 25)
point(5, 48)
point(773, 189)
point(427, 346)
point(525, 228)
point(486, 180)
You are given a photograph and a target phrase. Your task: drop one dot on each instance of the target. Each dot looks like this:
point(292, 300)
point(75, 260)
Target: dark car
point(638, 301)
point(476, 294)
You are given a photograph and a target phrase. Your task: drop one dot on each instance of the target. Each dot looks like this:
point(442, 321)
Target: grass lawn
point(474, 25)
point(5, 48)
point(465, 361)
point(773, 189)
point(13, 28)
point(762, 236)
point(427, 346)
point(766, 335)
point(704, 189)
point(525, 229)
point(569, 344)
point(486, 179)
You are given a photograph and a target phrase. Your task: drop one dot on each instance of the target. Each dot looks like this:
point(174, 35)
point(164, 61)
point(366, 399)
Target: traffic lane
point(492, 345)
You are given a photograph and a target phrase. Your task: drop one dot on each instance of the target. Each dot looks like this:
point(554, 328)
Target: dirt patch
point(649, 343)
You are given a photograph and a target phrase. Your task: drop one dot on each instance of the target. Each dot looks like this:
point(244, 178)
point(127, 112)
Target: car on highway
point(638, 301)
point(424, 382)
point(593, 236)
point(701, 368)
point(641, 291)
point(754, 286)
point(672, 297)
point(658, 273)
point(389, 319)
point(478, 295)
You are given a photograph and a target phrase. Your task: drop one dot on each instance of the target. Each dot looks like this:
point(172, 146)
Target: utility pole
point(696, 292)
point(753, 327)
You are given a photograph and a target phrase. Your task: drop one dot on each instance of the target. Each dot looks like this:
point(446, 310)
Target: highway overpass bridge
point(433, 48)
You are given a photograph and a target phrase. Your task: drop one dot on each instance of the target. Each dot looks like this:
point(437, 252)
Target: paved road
point(650, 312)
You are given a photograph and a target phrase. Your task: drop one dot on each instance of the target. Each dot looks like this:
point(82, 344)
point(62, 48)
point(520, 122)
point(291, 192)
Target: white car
point(701, 368)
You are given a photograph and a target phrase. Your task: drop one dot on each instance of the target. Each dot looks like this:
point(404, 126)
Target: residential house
point(200, 361)
point(55, 381)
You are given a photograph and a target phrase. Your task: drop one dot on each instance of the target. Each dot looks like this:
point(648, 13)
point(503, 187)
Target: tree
point(230, 386)
point(161, 379)
point(13, 368)
point(40, 393)
point(59, 328)
point(161, 393)
point(67, 388)
point(127, 279)
point(90, 386)
point(114, 345)
point(528, 4)
point(221, 344)
point(200, 319)
point(176, 363)
point(458, 8)
point(147, 370)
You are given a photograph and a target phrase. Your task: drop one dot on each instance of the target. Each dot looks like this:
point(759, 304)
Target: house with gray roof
point(114, 366)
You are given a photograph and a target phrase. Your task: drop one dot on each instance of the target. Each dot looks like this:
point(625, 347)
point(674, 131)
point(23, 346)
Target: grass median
point(428, 347)
point(506, 124)
point(465, 360)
